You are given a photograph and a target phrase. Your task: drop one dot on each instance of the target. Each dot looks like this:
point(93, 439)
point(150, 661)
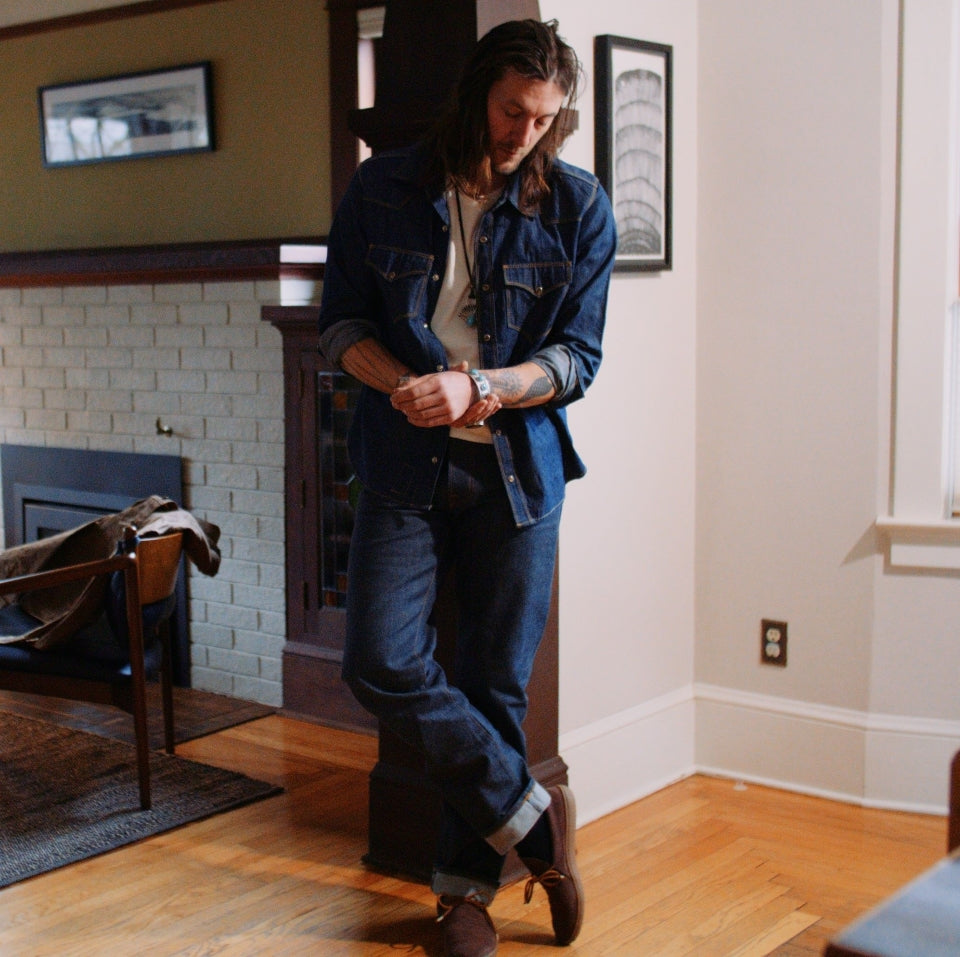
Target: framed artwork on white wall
point(633, 146)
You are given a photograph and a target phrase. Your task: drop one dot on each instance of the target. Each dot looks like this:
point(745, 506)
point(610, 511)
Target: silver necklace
point(469, 312)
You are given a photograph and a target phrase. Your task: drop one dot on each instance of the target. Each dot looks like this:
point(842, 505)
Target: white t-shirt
point(453, 321)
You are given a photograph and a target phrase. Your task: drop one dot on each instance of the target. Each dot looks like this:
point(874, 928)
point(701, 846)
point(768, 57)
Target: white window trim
point(918, 528)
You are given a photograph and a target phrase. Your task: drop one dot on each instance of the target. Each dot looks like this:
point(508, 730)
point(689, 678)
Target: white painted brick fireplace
point(99, 366)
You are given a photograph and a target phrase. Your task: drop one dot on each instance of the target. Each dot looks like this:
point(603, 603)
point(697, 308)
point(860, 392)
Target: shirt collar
point(410, 172)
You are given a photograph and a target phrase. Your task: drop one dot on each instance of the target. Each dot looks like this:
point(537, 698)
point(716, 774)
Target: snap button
point(539, 291)
point(483, 239)
point(435, 277)
point(511, 479)
point(391, 276)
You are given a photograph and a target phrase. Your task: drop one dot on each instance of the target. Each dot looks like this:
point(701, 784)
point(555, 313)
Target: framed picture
point(632, 144)
point(154, 113)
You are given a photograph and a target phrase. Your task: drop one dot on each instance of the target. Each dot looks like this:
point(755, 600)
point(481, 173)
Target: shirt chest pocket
point(534, 292)
point(401, 276)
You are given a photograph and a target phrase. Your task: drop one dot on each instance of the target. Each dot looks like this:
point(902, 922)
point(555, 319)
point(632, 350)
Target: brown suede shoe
point(466, 926)
point(560, 877)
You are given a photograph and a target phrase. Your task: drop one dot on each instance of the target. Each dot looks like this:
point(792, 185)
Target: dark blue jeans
point(467, 725)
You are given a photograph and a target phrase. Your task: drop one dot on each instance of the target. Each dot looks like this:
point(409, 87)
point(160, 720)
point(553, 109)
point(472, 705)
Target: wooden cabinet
point(317, 402)
point(404, 808)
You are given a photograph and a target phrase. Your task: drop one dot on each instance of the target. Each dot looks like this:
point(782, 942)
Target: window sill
point(921, 543)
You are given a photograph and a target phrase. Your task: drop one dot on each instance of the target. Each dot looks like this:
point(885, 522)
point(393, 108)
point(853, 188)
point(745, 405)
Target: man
point(466, 287)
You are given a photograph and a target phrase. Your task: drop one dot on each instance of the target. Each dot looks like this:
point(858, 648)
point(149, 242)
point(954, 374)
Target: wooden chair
point(101, 666)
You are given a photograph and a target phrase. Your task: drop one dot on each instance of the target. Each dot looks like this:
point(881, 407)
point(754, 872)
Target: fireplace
point(51, 490)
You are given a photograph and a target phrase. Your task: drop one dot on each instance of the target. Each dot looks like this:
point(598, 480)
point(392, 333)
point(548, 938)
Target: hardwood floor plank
point(771, 937)
point(699, 868)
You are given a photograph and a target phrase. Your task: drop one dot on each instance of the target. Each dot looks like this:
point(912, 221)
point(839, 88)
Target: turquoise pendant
point(469, 314)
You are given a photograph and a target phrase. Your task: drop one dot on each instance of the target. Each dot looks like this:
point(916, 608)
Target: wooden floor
point(702, 868)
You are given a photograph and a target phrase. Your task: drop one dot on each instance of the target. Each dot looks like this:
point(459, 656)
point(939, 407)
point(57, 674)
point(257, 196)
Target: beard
point(506, 161)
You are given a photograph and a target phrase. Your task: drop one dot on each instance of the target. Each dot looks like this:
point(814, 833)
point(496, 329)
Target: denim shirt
point(542, 280)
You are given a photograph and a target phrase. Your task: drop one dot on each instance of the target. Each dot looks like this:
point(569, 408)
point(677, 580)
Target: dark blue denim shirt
point(543, 281)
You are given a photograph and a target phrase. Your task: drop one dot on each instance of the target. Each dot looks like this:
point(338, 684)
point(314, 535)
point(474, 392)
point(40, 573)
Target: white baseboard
point(874, 760)
point(620, 759)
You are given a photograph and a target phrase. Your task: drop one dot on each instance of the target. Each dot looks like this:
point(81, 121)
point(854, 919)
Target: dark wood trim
point(343, 95)
point(179, 262)
point(93, 17)
point(312, 655)
point(343, 79)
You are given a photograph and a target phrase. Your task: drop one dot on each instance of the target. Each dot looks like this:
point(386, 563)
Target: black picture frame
point(131, 116)
point(633, 146)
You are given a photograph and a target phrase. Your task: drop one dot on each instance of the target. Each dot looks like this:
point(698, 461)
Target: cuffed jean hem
point(514, 830)
point(505, 837)
point(454, 885)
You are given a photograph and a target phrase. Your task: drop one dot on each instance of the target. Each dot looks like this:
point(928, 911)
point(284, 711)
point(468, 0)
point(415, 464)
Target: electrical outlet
point(773, 643)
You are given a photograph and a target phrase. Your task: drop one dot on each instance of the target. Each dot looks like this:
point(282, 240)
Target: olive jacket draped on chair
point(64, 609)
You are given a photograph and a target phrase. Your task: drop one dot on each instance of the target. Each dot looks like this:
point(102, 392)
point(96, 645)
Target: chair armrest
point(69, 573)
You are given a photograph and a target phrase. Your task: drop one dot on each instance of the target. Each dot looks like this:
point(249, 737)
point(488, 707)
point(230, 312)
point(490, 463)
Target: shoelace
point(446, 909)
point(550, 878)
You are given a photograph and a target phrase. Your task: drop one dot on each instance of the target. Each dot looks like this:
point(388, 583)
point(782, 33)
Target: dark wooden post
point(419, 57)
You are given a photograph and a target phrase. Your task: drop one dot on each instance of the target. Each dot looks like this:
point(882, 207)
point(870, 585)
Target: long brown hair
point(458, 144)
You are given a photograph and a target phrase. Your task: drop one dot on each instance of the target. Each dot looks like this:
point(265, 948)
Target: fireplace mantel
point(236, 260)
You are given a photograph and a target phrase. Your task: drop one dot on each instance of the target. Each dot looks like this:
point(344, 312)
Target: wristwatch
point(480, 383)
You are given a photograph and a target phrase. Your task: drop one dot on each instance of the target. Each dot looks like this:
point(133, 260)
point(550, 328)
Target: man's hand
point(442, 398)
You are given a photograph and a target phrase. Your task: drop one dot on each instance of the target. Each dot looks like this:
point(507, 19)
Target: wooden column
point(423, 46)
point(404, 807)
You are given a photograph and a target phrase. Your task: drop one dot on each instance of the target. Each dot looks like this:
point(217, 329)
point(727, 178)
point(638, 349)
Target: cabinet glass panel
point(336, 397)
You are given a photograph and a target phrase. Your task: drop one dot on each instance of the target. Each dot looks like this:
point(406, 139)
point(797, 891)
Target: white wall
point(626, 612)
point(795, 375)
point(738, 436)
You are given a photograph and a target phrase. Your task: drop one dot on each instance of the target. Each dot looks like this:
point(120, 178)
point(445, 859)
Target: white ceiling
point(28, 11)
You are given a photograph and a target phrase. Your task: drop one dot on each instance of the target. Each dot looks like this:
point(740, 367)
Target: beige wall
point(268, 176)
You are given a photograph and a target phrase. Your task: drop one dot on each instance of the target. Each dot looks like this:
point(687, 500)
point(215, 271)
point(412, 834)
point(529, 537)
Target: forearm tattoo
point(510, 386)
point(540, 387)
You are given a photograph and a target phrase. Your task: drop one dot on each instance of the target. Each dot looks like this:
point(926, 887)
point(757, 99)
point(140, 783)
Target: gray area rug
point(67, 795)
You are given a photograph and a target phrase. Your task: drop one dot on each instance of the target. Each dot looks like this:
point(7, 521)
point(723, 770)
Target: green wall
point(267, 178)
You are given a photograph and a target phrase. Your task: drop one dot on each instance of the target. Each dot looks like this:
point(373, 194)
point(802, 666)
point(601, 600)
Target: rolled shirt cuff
point(560, 369)
point(336, 339)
